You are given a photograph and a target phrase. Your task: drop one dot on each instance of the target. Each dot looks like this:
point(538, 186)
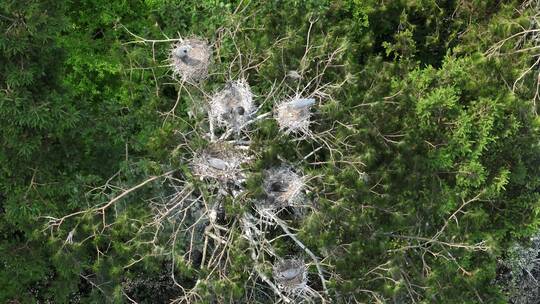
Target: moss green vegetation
point(422, 169)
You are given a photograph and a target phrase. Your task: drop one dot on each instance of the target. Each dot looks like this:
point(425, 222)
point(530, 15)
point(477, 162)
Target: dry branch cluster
point(190, 224)
point(225, 162)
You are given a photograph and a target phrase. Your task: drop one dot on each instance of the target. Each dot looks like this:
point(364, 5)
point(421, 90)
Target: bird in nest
point(182, 52)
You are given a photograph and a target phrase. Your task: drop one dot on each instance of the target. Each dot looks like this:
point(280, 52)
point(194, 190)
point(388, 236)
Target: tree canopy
point(373, 151)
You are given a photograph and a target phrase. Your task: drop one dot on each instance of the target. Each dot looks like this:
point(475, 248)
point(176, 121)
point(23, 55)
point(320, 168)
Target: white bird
point(69, 239)
point(212, 215)
point(182, 52)
point(301, 103)
point(289, 274)
point(294, 74)
point(217, 163)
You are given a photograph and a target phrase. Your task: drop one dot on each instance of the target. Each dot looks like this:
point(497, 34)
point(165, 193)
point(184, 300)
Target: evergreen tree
point(417, 150)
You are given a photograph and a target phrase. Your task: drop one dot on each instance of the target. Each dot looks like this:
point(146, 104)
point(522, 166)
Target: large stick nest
point(221, 162)
point(283, 187)
point(293, 116)
point(290, 275)
point(190, 59)
point(233, 106)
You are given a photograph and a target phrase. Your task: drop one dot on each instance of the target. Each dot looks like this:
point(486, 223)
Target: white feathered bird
point(217, 163)
point(182, 52)
point(302, 103)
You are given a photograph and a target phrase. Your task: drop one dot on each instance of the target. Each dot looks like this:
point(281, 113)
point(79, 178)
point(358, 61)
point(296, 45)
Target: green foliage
point(433, 151)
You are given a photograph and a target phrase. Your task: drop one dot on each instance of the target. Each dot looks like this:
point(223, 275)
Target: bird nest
point(233, 106)
point(220, 161)
point(293, 116)
point(190, 59)
point(290, 275)
point(283, 187)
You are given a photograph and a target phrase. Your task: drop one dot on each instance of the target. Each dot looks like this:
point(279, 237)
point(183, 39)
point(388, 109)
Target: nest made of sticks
point(290, 275)
point(294, 115)
point(221, 162)
point(190, 59)
point(283, 187)
point(233, 106)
